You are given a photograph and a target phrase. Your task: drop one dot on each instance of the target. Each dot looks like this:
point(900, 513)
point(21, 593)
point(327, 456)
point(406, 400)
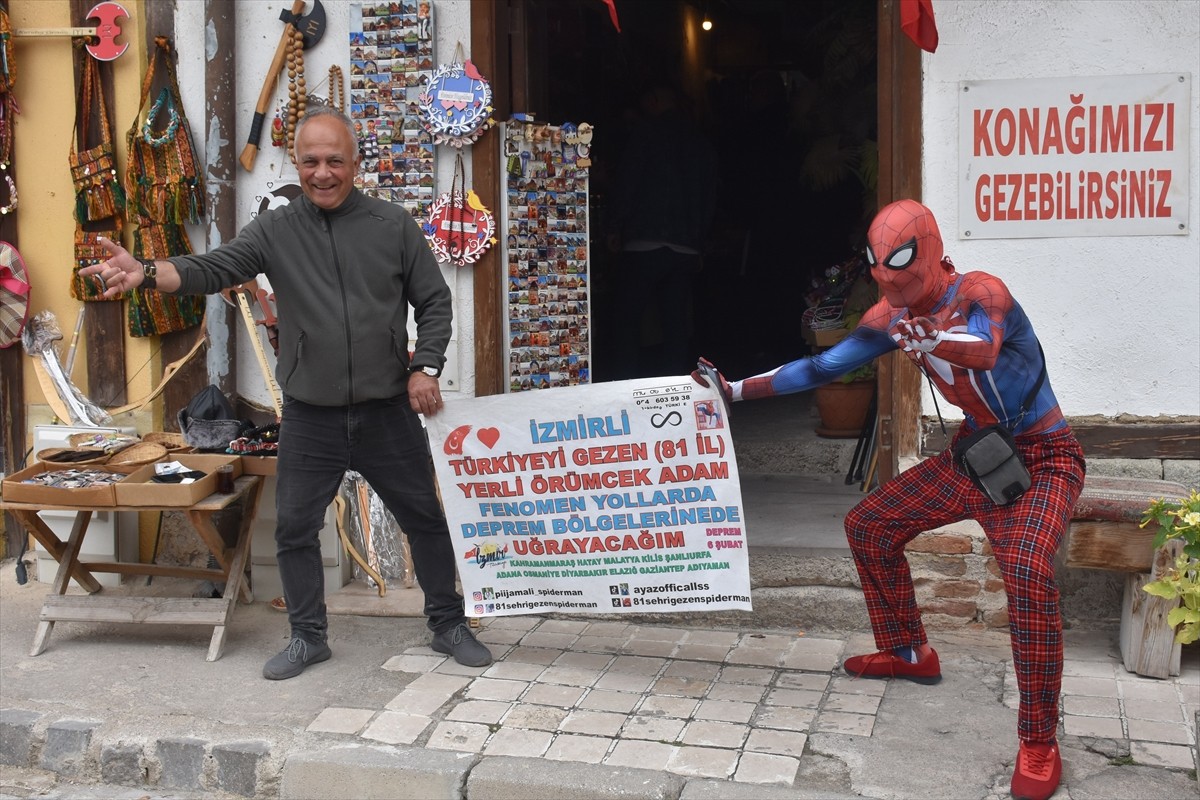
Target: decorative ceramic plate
point(456, 105)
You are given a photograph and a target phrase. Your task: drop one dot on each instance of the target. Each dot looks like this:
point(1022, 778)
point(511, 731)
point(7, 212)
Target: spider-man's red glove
point(705, 374)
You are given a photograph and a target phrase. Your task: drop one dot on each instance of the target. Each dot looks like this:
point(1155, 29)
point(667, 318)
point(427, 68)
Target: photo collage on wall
point(545, 229)
point(391, 59)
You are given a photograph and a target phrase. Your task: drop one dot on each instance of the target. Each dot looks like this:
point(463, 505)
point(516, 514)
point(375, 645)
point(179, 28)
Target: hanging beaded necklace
point(8, 110)
point(337, 89)
point(297, 91)
point(172, 126)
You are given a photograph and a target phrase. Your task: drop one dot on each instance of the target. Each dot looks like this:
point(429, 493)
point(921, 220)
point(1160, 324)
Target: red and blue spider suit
point(974, 341)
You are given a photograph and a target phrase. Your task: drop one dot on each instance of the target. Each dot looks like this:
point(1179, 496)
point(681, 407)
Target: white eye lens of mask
point(870, 257)
point(902, 256)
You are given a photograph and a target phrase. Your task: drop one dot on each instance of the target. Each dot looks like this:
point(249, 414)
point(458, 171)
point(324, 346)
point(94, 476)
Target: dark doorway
point(786, 93)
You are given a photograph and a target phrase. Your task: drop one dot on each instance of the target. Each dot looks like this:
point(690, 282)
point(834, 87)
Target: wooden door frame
point(899, 122)
point(490, 52)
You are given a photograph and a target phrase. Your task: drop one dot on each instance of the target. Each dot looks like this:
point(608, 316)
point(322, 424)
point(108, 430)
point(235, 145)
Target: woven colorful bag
point(164, 181)
point(151, 312)
point(98, 193)
point(88, 251)
point(166, 189)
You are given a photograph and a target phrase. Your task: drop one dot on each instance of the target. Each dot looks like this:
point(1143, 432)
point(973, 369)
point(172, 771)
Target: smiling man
point(345, 268)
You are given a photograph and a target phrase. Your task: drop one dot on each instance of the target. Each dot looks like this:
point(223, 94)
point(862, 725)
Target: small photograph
point(708, 415)
point(424, 21)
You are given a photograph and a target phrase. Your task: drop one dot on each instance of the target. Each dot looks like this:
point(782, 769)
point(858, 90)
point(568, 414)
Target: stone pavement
point(572, 707)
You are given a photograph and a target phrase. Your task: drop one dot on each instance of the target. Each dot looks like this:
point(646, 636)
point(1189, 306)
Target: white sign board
point(1088, 156)
point(618, 497)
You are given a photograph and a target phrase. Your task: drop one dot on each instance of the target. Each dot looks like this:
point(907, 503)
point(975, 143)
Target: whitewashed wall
point(1118, 316)
point(258, 30)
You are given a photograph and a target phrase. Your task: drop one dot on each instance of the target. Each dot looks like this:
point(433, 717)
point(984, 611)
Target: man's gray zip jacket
point(343, 280)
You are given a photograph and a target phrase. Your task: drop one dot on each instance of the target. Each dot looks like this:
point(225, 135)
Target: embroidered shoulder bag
point(98, 194)
point(166, 189)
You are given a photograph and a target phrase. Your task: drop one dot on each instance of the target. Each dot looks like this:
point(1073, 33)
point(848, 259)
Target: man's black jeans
point(384, 441)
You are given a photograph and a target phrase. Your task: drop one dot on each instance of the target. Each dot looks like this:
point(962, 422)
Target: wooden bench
point(1105, 534)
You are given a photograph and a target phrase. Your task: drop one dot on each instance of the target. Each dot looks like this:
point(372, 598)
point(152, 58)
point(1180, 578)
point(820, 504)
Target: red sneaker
point(1037, 772)
point(885, 664)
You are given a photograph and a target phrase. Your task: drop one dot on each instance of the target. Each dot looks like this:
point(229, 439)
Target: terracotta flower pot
point(843, 408)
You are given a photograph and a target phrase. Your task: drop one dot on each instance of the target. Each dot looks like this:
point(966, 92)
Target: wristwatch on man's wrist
point(149, 273)
point(432, 372)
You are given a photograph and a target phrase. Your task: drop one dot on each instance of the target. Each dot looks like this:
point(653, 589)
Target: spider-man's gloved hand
point(706, 374)
point(920, 333)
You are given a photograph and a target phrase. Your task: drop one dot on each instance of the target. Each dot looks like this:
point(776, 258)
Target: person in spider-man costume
point(974, 341)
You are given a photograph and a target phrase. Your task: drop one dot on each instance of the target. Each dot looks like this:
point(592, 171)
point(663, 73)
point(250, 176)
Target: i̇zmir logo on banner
point(619, 497)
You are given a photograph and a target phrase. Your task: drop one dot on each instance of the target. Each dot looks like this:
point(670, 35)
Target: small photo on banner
point(391, 60)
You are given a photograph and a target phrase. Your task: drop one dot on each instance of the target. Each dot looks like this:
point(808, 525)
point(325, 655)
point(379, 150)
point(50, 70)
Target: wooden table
point(98, 607)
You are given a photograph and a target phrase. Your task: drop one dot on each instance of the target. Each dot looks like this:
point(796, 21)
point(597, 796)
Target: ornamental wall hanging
point(456, 106)
point(460, 228)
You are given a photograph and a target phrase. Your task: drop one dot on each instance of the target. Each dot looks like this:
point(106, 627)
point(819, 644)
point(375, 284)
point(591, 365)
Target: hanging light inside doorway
point(705, 18)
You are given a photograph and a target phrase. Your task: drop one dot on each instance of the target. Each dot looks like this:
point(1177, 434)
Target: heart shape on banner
point(489, 436)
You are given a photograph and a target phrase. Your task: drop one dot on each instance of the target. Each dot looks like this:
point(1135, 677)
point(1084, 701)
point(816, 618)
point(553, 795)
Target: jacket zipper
point(337, 265)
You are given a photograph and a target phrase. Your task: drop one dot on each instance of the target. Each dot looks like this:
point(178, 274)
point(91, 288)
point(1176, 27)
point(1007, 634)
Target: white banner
point(618, 497)
point(1085, 156)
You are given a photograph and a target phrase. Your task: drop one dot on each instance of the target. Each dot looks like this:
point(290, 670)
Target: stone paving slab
point(710, 712)
point(738, 707)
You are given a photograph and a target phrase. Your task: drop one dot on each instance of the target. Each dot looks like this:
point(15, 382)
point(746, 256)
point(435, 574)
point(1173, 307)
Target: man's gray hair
point(315, 110)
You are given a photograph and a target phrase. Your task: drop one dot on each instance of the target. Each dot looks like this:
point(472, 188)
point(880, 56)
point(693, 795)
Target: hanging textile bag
point(165, 188)
point(89, 251)
point(163, 178)
point(151, 312)
point(98, 193)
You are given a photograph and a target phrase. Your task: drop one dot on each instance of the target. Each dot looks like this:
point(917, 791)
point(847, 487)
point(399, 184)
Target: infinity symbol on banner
point(672, 418)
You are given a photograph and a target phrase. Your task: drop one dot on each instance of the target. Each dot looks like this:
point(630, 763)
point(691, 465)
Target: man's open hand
point(120, 273)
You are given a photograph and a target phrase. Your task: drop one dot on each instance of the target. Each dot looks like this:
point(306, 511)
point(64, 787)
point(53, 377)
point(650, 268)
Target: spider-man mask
point(904, 249)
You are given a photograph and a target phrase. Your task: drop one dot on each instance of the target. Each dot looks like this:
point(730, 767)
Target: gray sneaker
point(293, 660)
point(462, 644)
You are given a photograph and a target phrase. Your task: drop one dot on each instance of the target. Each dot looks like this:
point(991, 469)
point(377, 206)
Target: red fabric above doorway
point(612, 13)
point(916, 20)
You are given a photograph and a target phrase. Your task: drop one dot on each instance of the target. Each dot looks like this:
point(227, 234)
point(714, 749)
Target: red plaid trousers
point(1024, 535)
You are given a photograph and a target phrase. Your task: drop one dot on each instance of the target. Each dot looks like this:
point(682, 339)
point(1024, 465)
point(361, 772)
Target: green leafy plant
point(864, 373)
point(1179, 520)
